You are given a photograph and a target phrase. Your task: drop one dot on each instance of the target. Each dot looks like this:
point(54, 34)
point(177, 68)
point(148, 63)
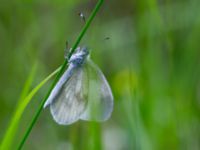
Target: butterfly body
point(82, 92)
point(79, 57)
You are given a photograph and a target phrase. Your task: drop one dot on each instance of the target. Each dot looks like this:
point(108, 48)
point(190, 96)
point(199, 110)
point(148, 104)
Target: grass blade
point(10, 132)
point(23, 102)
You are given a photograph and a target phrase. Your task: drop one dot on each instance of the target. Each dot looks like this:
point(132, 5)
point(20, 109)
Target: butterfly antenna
point(67, 50)
point(82, 16)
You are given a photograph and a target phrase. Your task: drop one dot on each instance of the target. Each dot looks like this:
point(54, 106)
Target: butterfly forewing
point(100, 98)
point(72, 99)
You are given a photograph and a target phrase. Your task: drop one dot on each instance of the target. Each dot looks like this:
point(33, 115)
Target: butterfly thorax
point(79, 57)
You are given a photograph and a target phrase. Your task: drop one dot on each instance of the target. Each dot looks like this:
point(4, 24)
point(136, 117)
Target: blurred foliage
point(151, 62)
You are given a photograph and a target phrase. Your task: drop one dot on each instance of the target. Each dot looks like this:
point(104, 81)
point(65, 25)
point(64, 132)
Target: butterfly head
point(79, 57)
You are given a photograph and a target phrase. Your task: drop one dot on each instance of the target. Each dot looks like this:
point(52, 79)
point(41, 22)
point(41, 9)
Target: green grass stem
point(93, 14)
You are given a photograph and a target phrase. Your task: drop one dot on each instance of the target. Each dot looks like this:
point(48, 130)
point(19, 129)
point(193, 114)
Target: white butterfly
point(81, 93)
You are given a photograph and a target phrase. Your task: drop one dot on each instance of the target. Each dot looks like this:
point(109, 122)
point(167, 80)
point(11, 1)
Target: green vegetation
point(151, 61)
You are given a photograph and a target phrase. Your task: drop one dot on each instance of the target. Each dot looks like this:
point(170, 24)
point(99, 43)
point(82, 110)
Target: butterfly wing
point(100, 98)
point(71, 100)
point(64, 78)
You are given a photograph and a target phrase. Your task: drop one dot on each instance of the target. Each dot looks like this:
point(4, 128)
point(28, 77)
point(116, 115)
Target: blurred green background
point(152, 62)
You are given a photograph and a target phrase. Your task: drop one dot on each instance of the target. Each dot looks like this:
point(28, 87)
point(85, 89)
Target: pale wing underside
point(100, 98)
point(71, 100)
point(64, 78)
point(85, 95)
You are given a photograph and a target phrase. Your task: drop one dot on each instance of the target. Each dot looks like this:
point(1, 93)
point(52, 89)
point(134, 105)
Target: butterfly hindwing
point(100, 98)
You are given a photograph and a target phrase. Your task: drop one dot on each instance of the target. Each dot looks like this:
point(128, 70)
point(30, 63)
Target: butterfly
point(82, 92)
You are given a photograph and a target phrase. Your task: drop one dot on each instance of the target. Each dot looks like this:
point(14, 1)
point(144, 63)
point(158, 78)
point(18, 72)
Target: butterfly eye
point(85, 50)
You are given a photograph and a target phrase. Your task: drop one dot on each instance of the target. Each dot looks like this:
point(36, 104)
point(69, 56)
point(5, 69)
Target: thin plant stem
point(93, 14)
